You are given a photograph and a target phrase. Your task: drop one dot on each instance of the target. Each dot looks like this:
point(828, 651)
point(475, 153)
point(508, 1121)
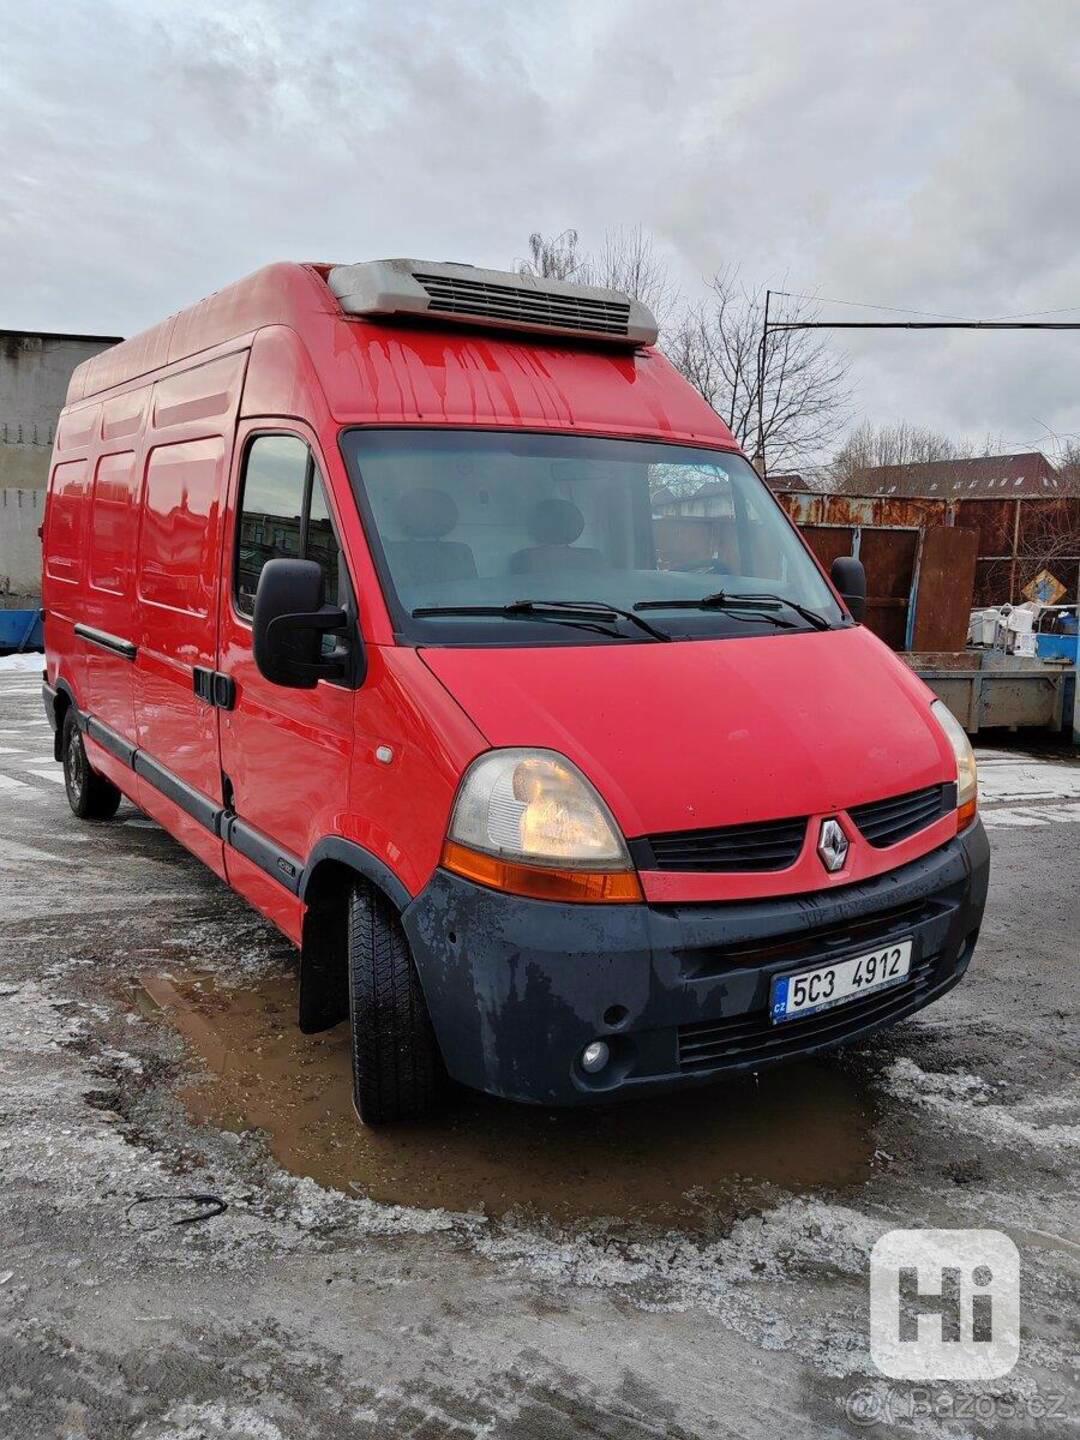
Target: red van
point(444, 620)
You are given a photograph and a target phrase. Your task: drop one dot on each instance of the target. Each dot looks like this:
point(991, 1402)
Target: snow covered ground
point(27, 660)
point(309, 1308)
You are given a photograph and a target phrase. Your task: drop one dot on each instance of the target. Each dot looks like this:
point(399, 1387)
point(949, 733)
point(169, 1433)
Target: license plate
point(794, 996)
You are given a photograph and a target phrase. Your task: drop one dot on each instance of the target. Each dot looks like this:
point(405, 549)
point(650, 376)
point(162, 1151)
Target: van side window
point(283, 515)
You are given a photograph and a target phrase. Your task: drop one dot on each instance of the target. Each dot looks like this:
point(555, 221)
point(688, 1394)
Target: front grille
point(887, 822)
point(753, 1040)
point(773, 845)
point(810, 947)
point(454, 294)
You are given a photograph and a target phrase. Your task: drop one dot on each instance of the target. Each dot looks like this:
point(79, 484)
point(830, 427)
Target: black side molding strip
point(286, 869)
point(199, 806)
point(254, 845)
point(111, 741)
point(113, 643)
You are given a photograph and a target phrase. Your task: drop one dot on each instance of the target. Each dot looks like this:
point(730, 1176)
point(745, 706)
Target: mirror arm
point(324, 621)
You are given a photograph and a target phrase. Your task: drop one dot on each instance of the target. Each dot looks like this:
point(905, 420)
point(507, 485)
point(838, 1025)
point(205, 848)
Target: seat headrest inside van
point(555, 522)
point(427, 514)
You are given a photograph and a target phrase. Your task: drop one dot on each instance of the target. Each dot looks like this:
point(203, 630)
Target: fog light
point(595, 1056)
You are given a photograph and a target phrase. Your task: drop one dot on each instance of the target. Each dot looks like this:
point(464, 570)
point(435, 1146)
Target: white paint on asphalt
point(1027, 791)
point(1030, 817)
point(56, 775)
point(13, 854)
point(1027, 780)
point(11, 782)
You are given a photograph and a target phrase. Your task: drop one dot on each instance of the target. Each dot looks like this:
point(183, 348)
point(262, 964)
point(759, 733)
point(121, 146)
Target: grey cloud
point(918, 155)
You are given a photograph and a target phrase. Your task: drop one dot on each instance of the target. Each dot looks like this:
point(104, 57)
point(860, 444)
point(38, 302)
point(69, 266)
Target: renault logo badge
point(832, 846)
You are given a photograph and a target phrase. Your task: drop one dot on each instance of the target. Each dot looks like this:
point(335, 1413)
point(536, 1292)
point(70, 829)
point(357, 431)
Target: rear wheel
point(397, 1069)
point(90, 795)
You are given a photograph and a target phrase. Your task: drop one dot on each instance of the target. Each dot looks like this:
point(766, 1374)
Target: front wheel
point(397, 1069)
point(89, 794)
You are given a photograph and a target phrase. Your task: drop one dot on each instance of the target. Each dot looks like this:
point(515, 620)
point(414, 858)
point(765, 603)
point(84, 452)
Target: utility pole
point(762, 366)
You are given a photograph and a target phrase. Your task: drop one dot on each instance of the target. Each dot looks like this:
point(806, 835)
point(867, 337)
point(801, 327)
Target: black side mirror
point(290, 621)
point(849, 577)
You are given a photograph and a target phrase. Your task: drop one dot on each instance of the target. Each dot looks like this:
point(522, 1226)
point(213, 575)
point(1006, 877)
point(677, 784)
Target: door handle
point(215, 687)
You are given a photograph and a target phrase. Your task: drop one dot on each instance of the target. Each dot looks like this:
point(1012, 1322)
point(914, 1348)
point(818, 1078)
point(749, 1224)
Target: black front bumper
point(517, 988)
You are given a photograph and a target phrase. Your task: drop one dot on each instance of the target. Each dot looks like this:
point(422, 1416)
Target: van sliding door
point(189, 442)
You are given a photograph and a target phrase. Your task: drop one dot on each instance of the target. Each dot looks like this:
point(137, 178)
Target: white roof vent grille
point(464, 295)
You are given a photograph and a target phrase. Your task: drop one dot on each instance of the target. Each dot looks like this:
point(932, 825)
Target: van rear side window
point(113, 523)
point(67, 521)
point(180, 525)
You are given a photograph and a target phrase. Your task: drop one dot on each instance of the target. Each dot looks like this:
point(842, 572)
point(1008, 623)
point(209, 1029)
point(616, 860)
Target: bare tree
point(1049, 536)
point(628, 262)
point(804, 391)
point(898, 446)
point(901, 444)
point(1066, 456)
point(714, 343)
point(1050, 539)
point(552, 258)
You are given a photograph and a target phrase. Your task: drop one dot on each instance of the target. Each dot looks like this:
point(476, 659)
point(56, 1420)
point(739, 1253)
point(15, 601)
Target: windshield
point(475, 521)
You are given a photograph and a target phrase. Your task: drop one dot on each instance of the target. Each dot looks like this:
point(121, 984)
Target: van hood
point(703, 733)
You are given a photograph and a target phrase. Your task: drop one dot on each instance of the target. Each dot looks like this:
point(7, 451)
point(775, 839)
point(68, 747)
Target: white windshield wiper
point(590, 613)
point(762, 605)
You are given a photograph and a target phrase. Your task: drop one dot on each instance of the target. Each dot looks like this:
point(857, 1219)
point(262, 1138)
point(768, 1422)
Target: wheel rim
point(75, 767)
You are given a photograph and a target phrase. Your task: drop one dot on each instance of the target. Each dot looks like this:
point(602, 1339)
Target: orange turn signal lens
point(541, 882)
point(966, 814)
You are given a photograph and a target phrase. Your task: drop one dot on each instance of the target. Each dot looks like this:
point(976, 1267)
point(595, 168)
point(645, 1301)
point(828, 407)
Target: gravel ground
point(686, 1268)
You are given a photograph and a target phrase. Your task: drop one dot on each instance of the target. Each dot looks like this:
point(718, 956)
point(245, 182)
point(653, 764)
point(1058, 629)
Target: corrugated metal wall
point(1016, 538)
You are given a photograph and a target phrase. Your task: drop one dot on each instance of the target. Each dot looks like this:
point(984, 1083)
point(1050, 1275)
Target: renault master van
point(436, 613)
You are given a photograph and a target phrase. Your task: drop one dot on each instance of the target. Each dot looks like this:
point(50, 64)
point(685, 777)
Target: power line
point(868, 305)
point(926, 324)
point(927, 314)
point(1032, 314)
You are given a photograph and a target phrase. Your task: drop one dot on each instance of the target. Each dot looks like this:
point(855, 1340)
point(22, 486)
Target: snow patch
point(26, 661)
point(746, 1280)
point(212, 1420)
point(965, 1100)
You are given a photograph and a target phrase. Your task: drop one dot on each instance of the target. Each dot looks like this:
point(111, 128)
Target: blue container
point(1057, 647)
point(21, 630)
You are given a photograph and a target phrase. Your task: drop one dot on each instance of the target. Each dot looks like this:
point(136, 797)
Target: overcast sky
point(920, 155)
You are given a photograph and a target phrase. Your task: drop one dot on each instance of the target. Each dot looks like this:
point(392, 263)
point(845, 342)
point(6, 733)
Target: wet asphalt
point(196, 1240)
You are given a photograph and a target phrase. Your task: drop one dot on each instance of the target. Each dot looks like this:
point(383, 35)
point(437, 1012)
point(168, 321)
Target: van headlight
point(528, 821)
point(967, 778)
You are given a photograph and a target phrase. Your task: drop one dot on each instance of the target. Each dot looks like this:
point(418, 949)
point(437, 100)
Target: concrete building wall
point(34, 372)
point(21, 513)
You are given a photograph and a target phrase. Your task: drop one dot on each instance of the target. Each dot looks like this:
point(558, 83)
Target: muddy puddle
point(683, 1160)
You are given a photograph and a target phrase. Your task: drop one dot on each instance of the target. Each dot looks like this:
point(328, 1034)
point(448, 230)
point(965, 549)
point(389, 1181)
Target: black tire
point(89, 794)
point(397, 1069)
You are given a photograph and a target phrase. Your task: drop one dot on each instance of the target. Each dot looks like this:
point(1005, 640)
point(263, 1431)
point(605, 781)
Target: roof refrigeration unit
point(463, 294)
